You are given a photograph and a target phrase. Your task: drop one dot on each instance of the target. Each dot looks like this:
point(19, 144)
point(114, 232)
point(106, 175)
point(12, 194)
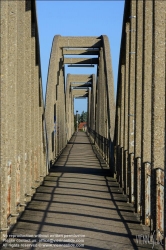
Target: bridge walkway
point(79, 201)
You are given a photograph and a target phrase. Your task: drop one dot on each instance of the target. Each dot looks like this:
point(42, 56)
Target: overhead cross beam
point(89, 51)
point(81, 84)
point(80, 61)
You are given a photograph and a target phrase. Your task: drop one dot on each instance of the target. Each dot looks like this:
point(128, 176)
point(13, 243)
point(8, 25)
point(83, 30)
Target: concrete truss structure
point(76, 82)
point(131, 140)
point(23, 139)
point(100, 93)
point(140, 111)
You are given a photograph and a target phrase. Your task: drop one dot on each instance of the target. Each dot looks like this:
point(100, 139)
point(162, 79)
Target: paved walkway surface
point(79, 206)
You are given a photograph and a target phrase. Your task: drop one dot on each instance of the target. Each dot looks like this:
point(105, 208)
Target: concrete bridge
point(106, 186)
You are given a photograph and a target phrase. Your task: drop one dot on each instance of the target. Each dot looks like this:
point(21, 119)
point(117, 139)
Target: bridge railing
point(102, 144)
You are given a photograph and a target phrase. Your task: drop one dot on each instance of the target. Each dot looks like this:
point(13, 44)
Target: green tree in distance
point(83, 117)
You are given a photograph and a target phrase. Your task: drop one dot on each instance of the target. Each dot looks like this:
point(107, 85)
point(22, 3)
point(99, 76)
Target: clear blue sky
point(79, 18)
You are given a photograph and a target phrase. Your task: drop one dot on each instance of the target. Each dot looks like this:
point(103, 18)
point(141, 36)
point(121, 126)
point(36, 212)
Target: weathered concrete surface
point(79, 78)
point(79, 197)
point(138, 102)
point(80, 42)
point(143, 56)
point(22, 142)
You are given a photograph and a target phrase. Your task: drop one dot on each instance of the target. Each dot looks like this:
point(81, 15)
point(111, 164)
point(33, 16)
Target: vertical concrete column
point(33, 121)
point(89, 106)
point(62, 109)
point(89, 120)
point(60, 103)
point(94, 100)
point(68, 108)
point(55, 130)
point(58, 98)
point(98, 104)
point(28, 97)
point(126, 109)
point(122, 99)
point(72, 113)
point(4, 179)
point(118, 120)
point(21, 88)
point(65, 118)
point(131, 115)
point(111, 101)
point(51, 99)
point(71, 110)
point(101, 113)
point(117, 131)
point(101, 101)
point(107, 126)
point(62, 106)
point(42, 164)
point(12, 104)
point(37, 141)
point(12, 109)
point(138, 104)
point(45, 147)
point(59, 111)
point(58, 120)
point(96, 107)
point(116, 139)
point(35, 110)
point(89, 124)
point(146, 102)
point(102, 94)
point(106, 112)
point(92, 107)
point(158, 112)
point(121, 139)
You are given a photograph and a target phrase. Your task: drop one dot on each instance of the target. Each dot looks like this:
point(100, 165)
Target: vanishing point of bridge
point(106, 186)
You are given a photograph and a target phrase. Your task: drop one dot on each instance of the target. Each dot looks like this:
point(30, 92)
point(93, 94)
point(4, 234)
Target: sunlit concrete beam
point(80, 42)
point(79, 78)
